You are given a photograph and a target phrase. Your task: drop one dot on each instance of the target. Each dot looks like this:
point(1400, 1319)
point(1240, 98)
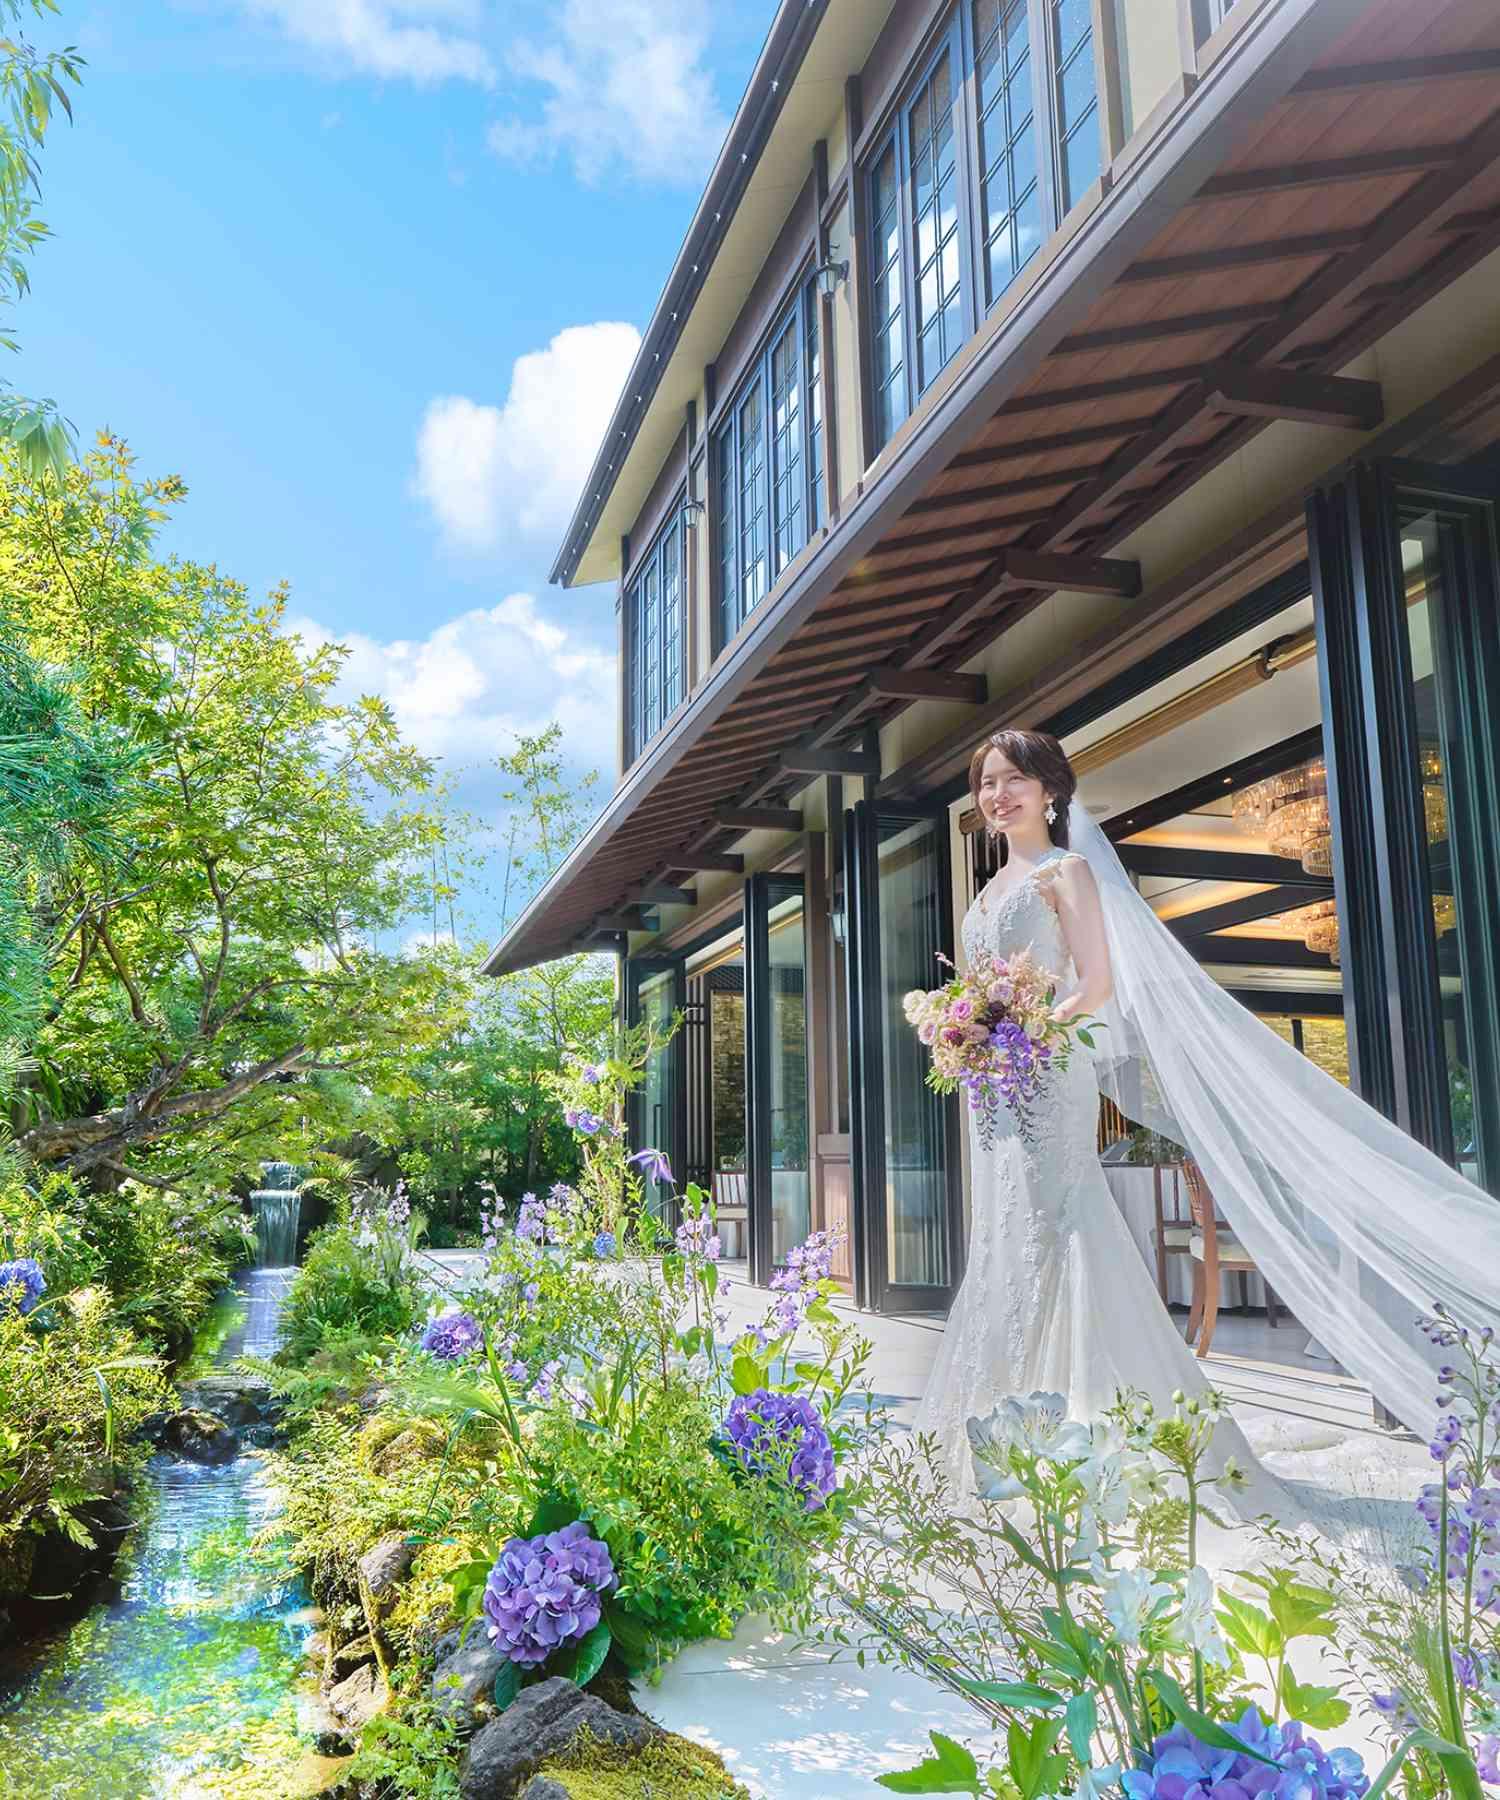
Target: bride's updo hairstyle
point(1038, 754)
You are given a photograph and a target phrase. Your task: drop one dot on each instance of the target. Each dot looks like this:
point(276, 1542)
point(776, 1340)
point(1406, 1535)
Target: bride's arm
point(1081, 916)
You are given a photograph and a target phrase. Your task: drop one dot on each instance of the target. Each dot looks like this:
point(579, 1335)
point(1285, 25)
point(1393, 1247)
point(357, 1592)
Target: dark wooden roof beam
point(758, 818)
point(1149, 331)
point(1462, 65)
point(854, 584)
point(814, 759)
point(929, 684)
point(1241, 256)
point(986, 528)
point(1044, 446)
point(666, 893)
point(630, 918)
point(1251, 393)
point(1000, 490)
point(706, 862)
point(1078, 574)
point(1375, 164)
point(1076, 393)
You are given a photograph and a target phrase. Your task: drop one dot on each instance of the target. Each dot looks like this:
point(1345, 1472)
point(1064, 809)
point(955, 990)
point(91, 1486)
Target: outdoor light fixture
point(831, 275)
point(692, 513)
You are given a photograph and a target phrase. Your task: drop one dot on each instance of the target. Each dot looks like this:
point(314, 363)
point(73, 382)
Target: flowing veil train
point(1357, 1227)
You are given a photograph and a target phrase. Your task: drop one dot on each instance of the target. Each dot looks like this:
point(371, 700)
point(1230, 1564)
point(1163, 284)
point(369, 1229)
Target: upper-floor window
point(946, 195)
point(653, 636)
point(768, 466)
point(1208, 16)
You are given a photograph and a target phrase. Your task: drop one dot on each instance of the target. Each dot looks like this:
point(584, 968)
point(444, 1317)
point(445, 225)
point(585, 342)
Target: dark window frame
point(765, 498)
point(656, 632)
point(886, 159)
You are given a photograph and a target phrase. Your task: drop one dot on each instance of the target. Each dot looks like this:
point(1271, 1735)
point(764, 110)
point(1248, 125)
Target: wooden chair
point(732, 1210)
point(1172, 1233)
point(1215, 1253)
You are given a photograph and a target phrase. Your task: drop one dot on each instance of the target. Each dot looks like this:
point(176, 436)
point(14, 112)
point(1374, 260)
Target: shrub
point(357, 1280)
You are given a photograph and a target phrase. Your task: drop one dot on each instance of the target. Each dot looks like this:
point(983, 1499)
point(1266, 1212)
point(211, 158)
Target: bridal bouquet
point(992, 1034)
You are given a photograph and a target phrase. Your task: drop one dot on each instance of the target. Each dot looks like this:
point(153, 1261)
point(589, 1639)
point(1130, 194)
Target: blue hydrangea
point(1181, 1767)
point(22, 1283)
point(766, 1428)
point(544, 1592)
point(452, 1335)
point(604, 1244)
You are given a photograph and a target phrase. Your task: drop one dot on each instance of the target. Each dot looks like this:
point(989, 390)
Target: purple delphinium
point(22, 1283)
point(765, 1429)
point(1487, 1761)
point(1181, 1767)
point(543, 1592)
point(531, 1220)
point(451, 1335)
point(591, 1073)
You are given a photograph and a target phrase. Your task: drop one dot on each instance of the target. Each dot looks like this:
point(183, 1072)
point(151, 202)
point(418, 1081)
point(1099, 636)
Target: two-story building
point(1126, 368)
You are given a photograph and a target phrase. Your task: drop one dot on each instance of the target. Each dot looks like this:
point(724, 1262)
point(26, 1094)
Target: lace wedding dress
point(1056, 1295)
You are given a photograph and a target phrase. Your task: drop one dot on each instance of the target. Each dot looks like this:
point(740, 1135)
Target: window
point(1208, 16)
point(653, 625)
point(768, 467)
point(1077, 99)
point(945, 215)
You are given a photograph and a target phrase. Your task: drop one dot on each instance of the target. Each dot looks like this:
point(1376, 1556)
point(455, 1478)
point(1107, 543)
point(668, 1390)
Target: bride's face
point(1011, 801)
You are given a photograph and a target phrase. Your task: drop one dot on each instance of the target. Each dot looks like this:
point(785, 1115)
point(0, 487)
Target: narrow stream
point(190, 1670)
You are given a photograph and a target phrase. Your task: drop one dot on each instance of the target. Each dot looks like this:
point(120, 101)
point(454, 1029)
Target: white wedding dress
point(1056, 1296)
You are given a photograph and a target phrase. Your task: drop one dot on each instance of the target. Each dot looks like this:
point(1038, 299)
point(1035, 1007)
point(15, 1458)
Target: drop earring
point(1051, 813)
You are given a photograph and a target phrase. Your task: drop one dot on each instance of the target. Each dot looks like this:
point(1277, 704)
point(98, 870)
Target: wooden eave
point(1320, 184)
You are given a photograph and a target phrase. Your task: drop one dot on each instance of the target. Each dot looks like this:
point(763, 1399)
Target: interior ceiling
point(1267, 714)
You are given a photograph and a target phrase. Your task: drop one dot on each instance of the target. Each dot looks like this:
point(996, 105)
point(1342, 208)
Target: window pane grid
point(654, 649)
point(786, 445)
point(1076, 98)
point(1009, 196)
point(753, 502)
point(887, 321)
point(933, 192)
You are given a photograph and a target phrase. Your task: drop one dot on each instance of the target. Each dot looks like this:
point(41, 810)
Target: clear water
point(184, 1684)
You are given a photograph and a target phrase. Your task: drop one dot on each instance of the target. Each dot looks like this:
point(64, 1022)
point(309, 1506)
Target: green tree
point(483, 1109)
point(247, 972)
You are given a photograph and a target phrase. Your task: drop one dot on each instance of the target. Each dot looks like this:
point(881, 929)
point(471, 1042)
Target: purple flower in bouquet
point(544, 1592)
point(771, 1432)
point(22, 1283)
point(653, 1165)
point(451, 1335)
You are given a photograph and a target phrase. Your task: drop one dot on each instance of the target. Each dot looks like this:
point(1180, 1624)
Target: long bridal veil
point(1357, 1227)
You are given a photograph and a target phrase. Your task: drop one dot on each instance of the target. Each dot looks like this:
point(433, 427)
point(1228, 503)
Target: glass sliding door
point(908, 1202)
point(778, 1141)
point(1405, 579)
point(657, 1110)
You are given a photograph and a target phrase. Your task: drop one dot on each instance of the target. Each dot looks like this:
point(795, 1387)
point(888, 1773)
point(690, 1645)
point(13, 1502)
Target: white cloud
point(424, 41)
point(621, 84)
point(494, 474)
point(465, 691)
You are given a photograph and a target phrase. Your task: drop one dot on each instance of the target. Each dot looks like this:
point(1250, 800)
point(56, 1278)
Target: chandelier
point(1318, 925)
point(1291, 811)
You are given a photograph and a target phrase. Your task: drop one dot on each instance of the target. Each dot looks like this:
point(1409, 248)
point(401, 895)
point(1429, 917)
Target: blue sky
point(368, 274)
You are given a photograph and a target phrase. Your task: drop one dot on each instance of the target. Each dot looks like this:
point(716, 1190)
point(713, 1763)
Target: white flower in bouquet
point(1044, 1430)
point(991, 1440)
point(1196, 1627)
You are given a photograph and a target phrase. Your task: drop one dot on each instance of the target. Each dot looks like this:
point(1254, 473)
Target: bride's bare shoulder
point(1068, 874)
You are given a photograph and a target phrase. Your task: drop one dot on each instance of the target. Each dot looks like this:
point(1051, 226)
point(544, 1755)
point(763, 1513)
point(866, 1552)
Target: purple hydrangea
point(543, 1592)
point(1181, 1767)
point(771, 1432)
point(22, 1283)
point(451, 1335)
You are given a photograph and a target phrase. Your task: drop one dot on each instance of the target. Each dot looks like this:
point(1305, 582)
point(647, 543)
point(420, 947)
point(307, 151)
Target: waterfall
point(277, 1209)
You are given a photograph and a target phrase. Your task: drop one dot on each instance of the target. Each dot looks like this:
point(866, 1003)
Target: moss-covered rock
point(668, 1768)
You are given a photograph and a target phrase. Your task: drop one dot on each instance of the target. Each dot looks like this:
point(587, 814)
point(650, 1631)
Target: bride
point(1355, 1225)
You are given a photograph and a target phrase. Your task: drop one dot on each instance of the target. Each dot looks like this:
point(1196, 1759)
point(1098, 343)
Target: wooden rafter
point(1245, 184)
point(1079, 574)
point(928, 684)
point(1150, 331)
point(1462, 65)
point(704, 862)
point(758, 818)
point(1258, 393)
point(812, 759)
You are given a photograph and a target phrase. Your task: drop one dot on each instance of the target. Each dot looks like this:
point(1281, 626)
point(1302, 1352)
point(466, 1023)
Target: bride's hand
point(1066, 1011)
